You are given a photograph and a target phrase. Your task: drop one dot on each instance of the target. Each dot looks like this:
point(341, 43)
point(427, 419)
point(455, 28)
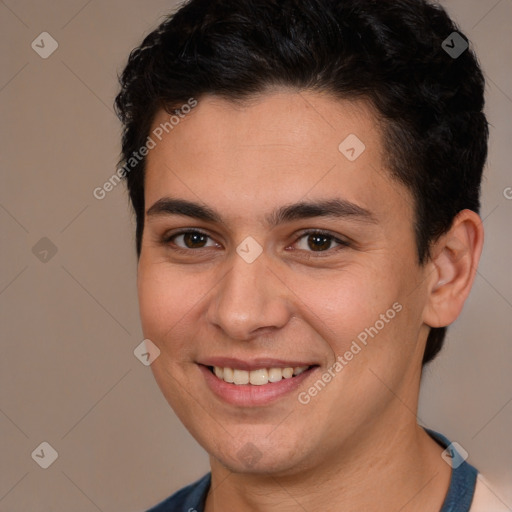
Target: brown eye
point(191, 240)
point(194, 240)
point(319, 242)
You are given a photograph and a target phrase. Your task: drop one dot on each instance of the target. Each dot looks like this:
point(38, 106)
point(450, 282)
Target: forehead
point(308, 122)
point(275, 148)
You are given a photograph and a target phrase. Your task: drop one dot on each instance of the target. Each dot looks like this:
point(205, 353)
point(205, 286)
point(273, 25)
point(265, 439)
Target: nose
point(249, 300)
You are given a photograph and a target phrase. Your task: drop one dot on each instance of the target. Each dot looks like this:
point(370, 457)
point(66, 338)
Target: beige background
point(69, 325)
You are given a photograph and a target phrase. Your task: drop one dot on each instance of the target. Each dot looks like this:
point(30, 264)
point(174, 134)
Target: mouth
point(257, 377)
point(254, 384)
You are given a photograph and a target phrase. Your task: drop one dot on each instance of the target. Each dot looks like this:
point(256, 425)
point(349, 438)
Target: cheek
point(342, 304)
point(167, 301)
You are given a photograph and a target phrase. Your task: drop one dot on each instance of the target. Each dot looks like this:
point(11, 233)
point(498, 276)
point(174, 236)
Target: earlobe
point(453, 268)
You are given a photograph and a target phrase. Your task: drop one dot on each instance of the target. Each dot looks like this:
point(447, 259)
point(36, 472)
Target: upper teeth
point(257, 377)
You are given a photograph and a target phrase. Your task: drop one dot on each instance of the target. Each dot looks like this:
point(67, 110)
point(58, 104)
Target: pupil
point(319, 242)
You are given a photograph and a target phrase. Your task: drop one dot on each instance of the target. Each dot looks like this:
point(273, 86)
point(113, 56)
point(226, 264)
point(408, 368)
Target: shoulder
point(189, 499)
point(486, 499)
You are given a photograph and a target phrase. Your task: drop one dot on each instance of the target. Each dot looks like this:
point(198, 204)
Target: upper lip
point(252, 364)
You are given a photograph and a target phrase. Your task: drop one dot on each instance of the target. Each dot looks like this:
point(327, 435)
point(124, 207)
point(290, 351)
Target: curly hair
point(387, 52)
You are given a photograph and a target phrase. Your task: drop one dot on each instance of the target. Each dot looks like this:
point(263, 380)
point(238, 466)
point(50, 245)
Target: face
point(277, 249)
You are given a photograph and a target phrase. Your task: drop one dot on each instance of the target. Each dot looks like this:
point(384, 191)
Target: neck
point(400, 469)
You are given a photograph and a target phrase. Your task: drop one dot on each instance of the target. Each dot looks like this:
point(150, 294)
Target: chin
point(275, 466)
point(261, 456)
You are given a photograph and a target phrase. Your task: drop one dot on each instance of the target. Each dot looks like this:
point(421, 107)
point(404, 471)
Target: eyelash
point(168, 240)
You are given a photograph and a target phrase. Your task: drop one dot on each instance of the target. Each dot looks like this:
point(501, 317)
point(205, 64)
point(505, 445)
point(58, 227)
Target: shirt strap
point(463, 477)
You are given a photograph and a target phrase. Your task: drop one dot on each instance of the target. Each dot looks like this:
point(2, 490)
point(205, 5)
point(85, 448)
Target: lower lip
point(249, 395)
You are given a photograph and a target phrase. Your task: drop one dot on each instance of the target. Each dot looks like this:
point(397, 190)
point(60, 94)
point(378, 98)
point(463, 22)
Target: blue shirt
point(458, 499)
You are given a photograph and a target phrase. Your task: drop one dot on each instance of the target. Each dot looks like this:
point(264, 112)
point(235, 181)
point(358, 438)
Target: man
point(306, 176)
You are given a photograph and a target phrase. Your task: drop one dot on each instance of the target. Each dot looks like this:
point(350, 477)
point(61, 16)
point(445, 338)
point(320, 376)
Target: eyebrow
point(332, 208)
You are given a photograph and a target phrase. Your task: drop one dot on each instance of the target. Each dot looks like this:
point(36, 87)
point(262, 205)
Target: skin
point(356, 445)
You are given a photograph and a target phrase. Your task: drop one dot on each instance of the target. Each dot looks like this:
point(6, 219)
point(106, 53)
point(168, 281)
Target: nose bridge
point(248, 298)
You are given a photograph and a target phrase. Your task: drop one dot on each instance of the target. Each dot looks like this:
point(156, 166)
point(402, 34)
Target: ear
point(452, 269)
